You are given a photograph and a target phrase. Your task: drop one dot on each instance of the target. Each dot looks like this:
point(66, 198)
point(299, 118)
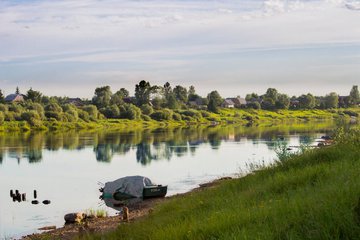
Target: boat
point(130, 189)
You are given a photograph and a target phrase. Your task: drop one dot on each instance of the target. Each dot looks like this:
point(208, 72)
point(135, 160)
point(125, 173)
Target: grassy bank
point(310, 196)
point(193, 117)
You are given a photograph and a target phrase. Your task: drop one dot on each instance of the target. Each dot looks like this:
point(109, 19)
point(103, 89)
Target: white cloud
point(172, 34)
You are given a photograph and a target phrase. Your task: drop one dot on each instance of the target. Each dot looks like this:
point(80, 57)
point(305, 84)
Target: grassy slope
point(239, 116)
point(312, 196)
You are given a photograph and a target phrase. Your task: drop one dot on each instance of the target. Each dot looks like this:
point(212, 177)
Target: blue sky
point(68, 48)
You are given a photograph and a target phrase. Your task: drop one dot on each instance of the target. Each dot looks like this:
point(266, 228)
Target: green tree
point(102, 97)
point(34, 96)
point(112, 111)
point(118, 97)
point(130, 111)
point(268, 103)
point(92, 111)
point(169, 96)
point(38, 108)
point(331, 100)
point(271, 93)
point(53, 110)
point(215, 101)
point(71, 112)
point(354, 95)
point(143, 90)
point(283, 101)
point(307, 101)
point(181, 93)
point(2, 98)
point(123, 93)
point(17, 91)
point(252, 97)
point(146, 109)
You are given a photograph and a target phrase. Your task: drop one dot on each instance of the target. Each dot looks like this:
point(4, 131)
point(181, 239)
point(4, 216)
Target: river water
point(68, 168)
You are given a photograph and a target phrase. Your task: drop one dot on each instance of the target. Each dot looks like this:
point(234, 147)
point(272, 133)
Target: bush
point(130, 111)
point(84, 115)
point(112, 111)
point(92, 111)
point(205, 114)
point(176, 117)
point(145, 117)
point(191, 113)
point(3, 108)
point(55, 115)
point(32, 117)
point(253, 105)
point(146, 109)
point(161, 115)
point(38, 108)
point(2, 117)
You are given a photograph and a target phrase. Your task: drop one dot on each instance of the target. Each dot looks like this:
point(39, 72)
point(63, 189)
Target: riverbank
point(191, 117)
point(315, 195)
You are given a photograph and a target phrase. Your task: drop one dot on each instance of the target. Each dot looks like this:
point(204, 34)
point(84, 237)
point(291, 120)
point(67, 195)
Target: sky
point(70, 47)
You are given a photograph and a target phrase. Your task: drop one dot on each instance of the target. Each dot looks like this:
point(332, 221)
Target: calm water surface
point(65, 168)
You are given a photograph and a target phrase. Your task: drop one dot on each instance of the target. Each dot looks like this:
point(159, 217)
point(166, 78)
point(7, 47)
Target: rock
point(74, 217)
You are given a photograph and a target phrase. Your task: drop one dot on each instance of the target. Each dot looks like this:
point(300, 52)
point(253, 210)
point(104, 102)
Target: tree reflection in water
point(150, 145)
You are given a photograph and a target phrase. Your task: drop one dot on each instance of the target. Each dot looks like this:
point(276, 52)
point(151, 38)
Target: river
point(69, 168)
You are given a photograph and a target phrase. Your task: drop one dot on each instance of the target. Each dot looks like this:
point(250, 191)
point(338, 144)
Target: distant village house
point(14, 98)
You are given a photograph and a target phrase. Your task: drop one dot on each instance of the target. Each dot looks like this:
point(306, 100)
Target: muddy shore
point(106, 224)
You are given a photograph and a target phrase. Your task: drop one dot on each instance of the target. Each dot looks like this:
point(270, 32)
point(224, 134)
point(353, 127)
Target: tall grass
point(314, 195)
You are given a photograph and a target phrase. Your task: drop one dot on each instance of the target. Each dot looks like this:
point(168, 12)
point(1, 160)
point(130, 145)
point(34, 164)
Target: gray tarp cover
point(132, 185)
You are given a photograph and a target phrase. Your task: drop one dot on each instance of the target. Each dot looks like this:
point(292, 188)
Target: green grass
point(225, 116)
point(314, 195)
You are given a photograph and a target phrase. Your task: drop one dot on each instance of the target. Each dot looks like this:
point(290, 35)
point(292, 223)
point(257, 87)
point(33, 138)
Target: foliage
point(92, 111)
point(354, 95)
point(102, 97)
point(331, 100)
point(181, 93)
point(130, 111)
point(307, 101)
point(2, 117)
point(143, 90)
point(215, 101)
point(32, 117)
point(160, 115)
point(282, 102)
point(34, 96)
point(146, 109)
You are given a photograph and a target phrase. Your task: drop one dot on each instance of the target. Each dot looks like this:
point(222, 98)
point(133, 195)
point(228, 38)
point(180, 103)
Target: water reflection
point(150, 145)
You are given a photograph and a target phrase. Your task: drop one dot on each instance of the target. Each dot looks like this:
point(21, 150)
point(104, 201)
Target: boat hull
point(154, 191)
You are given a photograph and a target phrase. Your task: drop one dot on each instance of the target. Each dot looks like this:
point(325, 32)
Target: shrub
point(112, 111)
point(130, 111)
point(205, 114)
point(84, 115)
point(146, 109)
point(3, 108)
point(32, 117)
point(145, 117)
point(92, 111)
point(160, 115)
point(176, 117)
point(2, 117)
point(191, 113)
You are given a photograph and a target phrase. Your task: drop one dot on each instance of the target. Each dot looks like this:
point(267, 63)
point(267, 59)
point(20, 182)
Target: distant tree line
point(153, 102)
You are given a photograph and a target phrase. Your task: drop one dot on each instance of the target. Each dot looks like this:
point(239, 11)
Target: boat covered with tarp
point(130, 189)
